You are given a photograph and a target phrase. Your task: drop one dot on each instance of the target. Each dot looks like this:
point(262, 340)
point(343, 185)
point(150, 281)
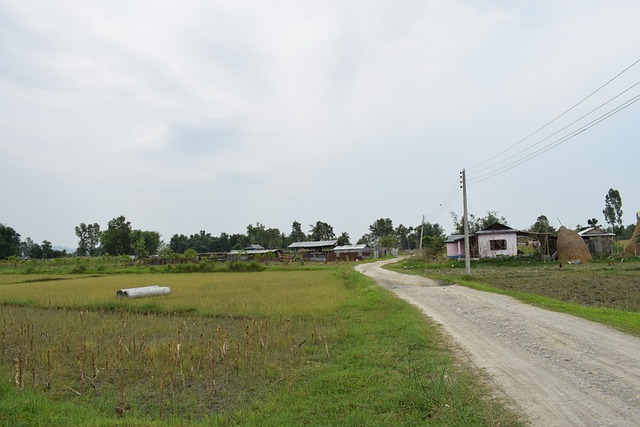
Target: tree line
point(120, 238)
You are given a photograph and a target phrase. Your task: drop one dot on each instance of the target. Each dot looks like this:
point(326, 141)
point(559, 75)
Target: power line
point(556, 118)
point(556, 132)
point(446, 202)
point(557, 142)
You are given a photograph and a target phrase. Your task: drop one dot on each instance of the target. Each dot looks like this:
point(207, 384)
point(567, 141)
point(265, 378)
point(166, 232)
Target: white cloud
point(253, 111)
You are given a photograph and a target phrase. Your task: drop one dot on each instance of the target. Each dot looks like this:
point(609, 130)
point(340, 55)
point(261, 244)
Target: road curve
point(559, 370)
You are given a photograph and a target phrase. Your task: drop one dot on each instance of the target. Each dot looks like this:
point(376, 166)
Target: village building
point(599, 242)
point(319, 251)
point(497, 240)
point(352, 252)
point(492, 241)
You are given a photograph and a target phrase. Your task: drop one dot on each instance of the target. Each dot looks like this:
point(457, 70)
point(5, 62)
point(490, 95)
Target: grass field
point(287, 347)
point(603, 291)
point(238, 294)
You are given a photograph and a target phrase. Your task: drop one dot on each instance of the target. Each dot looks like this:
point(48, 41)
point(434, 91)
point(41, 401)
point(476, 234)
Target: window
point(498, 245)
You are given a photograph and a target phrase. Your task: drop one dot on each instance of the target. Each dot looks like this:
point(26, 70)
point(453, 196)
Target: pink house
point(494, 240)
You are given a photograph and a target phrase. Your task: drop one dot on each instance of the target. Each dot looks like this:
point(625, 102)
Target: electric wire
point(474, 175)
point(446, 202)
point(557, 142)
point(556, 118)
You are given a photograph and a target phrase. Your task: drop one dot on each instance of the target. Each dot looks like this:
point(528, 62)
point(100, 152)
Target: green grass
point(604, 292)
point(388, 367)
point(317, 347)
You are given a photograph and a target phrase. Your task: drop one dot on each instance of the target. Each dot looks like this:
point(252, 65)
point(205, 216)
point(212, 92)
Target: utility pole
point(467, 255)
point(421, 231)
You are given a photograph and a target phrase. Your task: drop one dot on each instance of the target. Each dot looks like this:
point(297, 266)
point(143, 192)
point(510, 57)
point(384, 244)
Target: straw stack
point(632, 247)
point(571, 247)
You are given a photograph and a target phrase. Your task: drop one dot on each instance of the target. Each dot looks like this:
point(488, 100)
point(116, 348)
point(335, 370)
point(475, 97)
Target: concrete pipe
point(145, 291)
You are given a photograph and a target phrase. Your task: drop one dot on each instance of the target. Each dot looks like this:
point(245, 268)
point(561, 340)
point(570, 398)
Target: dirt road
point(558, 369)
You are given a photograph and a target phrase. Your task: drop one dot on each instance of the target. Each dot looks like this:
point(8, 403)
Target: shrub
point(242, 266)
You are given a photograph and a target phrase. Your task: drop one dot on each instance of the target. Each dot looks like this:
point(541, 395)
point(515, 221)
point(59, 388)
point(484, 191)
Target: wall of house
point(489, 250)
point(455, 249)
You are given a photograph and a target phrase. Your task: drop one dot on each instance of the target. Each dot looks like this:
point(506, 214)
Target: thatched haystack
point(571, 247)
point(633, 248)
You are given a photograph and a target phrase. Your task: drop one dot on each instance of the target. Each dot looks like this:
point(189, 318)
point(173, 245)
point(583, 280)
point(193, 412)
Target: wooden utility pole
point(465, 219)
point(421, 231)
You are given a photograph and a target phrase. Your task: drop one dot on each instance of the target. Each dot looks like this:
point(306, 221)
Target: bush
point(242, 266)
point(80, 269)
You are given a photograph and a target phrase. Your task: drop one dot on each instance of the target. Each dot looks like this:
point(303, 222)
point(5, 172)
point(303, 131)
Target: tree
point(380, 228)
point(428, 231)
point(344, 239)
point(433, 246)
point(321, 231)
point(542, 226)
point(238, 241)
point(179, 243)
point(47, 249)
point(593, 222)
point(9, 242)
point(35, 251)
point(476, 223)
point(365, 239)
point(151, 241)
point(296, 235)
point(116, 240)
point(265, 237)
point(613, 210)
point(89, 239)
point(402, 233)
point(628, 231)
point(25, 247)
point(139, 246)
point(388, 241)
point(200, 242)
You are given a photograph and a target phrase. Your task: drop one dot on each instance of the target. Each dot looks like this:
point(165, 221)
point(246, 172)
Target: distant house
point(320, 250)
point(598, 241)
point(352, 252)
point(497, 239)
point(455, 246)
point(494, 240)
point(251, 252)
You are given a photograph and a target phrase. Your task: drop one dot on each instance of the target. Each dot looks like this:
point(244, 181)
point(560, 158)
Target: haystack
point(633, 247)
point(571, 247)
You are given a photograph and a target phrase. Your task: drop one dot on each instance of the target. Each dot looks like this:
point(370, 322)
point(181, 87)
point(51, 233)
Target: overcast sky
point(213, 115)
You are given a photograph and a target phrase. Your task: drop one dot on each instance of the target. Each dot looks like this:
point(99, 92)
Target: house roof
point(454, 238)
point(497, 228)
point(314, 244)
point(595, 232)
point(346, 248)
point(253, 251)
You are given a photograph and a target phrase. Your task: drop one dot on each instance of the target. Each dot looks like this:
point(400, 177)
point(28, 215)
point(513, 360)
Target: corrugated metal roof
point(350, 248)
point(595, 232)
point(252, 251)
point(497, 228)
point(315, 244)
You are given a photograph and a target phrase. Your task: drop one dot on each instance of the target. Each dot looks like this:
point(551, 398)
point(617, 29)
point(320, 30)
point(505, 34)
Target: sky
point(214, 115)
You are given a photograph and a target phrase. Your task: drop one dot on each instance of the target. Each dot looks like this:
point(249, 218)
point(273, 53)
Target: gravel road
point(559, 370)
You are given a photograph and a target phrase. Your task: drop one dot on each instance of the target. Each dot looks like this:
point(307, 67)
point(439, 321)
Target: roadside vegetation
point(289, 345)
point(605, 291)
